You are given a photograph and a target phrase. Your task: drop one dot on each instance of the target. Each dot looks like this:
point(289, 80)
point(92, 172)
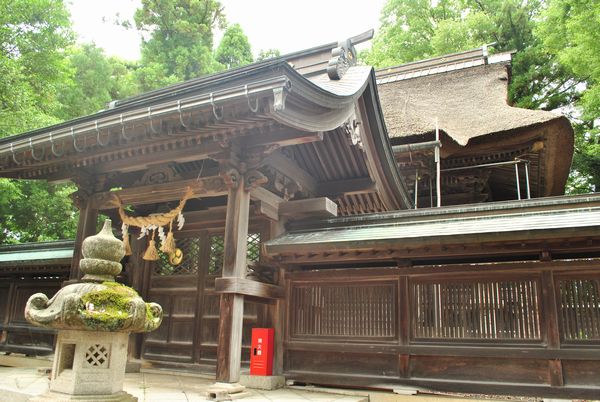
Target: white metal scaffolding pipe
point(438, 179)
point(416, 187)
point(527, 178)
point(517, 181)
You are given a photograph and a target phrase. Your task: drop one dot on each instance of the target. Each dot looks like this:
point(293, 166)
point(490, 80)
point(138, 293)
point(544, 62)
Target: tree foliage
point(35, 211)
point(234, 49)
point(179, 40)
point(268, 54)
point(569, 32)
point(94, 80)
point(33, 35)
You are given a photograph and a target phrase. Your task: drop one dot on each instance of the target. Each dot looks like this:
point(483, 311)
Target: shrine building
point(396, 227)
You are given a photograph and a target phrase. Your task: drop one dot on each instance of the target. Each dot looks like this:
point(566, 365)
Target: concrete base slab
point(266, 382)
point(59, 397)
point(406, 391)
point(133, 366)
point(224, 391)
point(25, 361)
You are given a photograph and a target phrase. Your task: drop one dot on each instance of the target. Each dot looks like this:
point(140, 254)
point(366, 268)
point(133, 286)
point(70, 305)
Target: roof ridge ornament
point(342, 58)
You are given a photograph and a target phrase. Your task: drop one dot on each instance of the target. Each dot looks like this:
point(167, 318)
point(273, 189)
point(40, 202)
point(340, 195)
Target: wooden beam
point(207, 187)
point(154, 154)
point(351, 186)
point(291, 169)
point(267, 203)
point(248, 287)
point(282, 137)
point(315, 207)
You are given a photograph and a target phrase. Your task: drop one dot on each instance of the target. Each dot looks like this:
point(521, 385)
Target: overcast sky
point(287, 25)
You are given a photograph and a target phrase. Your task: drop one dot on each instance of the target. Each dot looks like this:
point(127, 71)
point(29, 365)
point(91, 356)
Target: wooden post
point(86, 226)
point(277, 310)
point(229, 349)
point(552, 327)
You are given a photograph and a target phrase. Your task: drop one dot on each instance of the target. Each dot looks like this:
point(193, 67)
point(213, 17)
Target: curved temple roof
point(233, 104)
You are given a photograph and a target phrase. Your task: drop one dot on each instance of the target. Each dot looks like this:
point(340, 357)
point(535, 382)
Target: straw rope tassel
point(151, 253)
point(169, 245)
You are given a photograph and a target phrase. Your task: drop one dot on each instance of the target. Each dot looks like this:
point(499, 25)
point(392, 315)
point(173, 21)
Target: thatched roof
point(468, 102)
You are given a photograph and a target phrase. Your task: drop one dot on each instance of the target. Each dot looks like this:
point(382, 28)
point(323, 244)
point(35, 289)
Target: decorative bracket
point(253, 179)
point(279, 99)
point(353, 129)
point(231, 177)
point(342, 57)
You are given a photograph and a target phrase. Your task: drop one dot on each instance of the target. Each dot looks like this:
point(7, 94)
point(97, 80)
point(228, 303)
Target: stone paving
point(19, 384)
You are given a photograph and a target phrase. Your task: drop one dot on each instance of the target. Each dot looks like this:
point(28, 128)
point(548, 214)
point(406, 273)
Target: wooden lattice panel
point(189, 265)
point(477, 310)
point(215, 261)
point(217, 247)
point(345, 310)
point(579, 309)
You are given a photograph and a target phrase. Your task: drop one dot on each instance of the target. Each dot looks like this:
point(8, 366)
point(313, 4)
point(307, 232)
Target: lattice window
point(217, 247)
point(189, 265)
point(477, 310)
point(97, 356)
point(579, 309)
point(347, 310)
point(253, 247)
point(215, 261)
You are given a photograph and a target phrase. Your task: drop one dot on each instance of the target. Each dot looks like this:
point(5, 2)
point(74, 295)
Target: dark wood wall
point(518, 328)
point(16, 334)
point(188, 335)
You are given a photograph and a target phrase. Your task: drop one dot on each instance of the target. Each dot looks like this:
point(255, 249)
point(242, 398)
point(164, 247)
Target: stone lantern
point(93, 319)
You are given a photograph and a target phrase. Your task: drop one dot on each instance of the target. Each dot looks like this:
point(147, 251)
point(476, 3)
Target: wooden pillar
point(229, 349)
point(552, 329)
point(86, 226)
point(277, 309)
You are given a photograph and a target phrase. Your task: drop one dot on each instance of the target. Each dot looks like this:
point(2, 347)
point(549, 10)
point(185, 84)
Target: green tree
point(268, 54)
point(416, 29)
point(33, 37)
point(234, 49)
point(95, 80)
point(36, 211)
point(179, 40)
point(569, 32)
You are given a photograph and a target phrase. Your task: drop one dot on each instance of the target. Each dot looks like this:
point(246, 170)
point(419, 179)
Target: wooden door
point(189, 332)
point(178, 290)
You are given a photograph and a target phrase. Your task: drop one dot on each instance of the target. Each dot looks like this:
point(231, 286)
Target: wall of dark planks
point(471, 331)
